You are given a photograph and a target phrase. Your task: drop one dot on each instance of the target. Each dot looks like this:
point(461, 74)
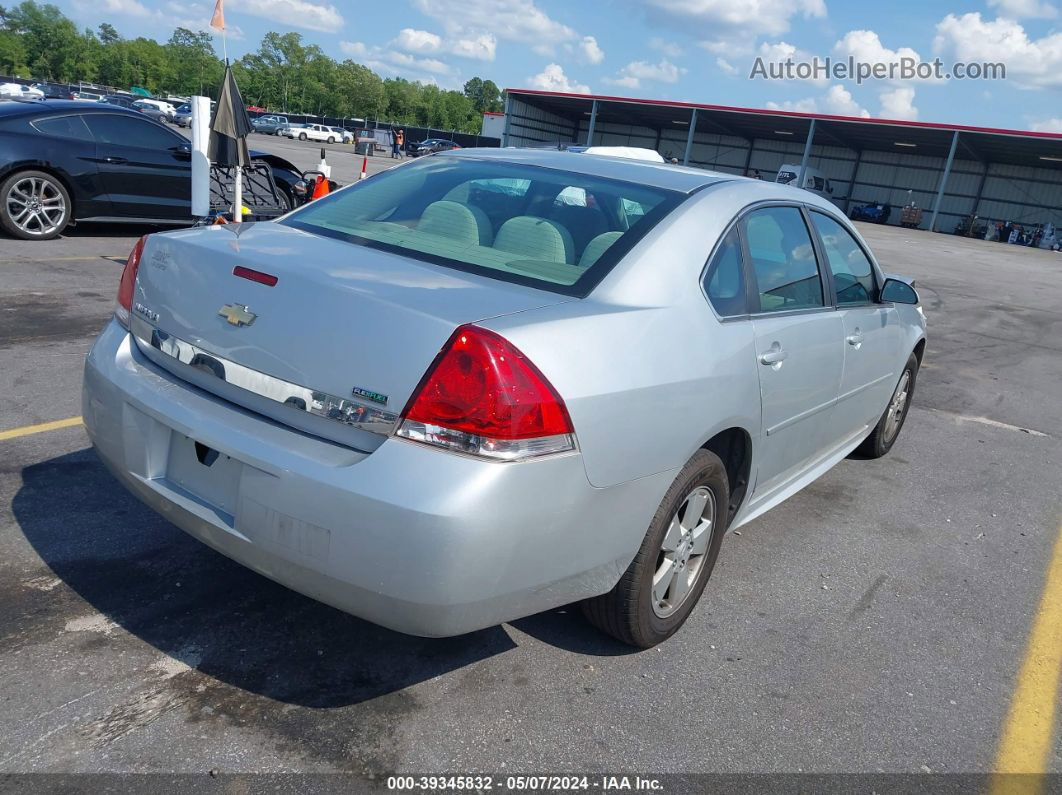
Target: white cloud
point(1047, 125)
point(898, 103)
point(412, 40)
point(132, 8)
point(726, 66)
point(1018, 9)
point(668, 48)
point(782, 51)
point(298, 13)
point(1029, 62)
point(632, 75)
point(733, 25)
point(552, 78)
point(865, 46)
point(508, 20)
point(479, 46)
point(390, 61)
point(590, 51)
point(837, 101)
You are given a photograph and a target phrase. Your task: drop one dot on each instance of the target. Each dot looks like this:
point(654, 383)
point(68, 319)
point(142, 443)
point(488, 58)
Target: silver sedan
point(493, 382)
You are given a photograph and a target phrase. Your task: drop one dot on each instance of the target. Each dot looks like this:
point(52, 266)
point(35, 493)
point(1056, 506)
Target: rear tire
point(652, 600)
point(302, 136)
point(34, 205)
point(887, 431)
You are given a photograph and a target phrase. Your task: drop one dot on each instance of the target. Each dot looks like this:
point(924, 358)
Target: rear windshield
point(542, 227)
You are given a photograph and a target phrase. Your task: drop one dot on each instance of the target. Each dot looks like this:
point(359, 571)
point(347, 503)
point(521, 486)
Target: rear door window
point(130, 131)
point(63, 127)
point(783, 260)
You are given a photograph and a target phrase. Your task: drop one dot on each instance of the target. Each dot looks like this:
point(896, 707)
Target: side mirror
point(898, 292)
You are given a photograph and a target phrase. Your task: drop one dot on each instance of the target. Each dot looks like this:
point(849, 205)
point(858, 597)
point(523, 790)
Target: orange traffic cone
point(364, 167)
point(321, 188)
point(219, 219)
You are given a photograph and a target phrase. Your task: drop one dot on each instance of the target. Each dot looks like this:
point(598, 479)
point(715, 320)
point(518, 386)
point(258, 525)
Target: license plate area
point(207, 475)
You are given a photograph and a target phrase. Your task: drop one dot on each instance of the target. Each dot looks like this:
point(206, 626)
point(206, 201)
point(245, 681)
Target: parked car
point(151, 111)
point(345, 136)
point(875, 212)
point(559, 403)
point(269, 125)
point(63, 161)
point(312, 132)
point(85, 96)
point(120, 101)
point(19, 91)
point(158, 104)
point(433, 145)
point(53, 90)
point(183, 116)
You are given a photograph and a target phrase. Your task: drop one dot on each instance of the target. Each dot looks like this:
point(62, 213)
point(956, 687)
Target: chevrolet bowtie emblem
point(237, 314)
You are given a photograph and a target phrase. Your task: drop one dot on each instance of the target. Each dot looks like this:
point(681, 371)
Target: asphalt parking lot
point(877, 621)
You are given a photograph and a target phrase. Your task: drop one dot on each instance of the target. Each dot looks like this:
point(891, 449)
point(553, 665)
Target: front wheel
point(331, 140)
point(885, 433)
point(34, 206)
point(302, 136)
point(660, 588)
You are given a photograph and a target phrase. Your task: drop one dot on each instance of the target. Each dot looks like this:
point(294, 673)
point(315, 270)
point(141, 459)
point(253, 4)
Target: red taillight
point(125, 286)
point(483, 396)
point(268, 279)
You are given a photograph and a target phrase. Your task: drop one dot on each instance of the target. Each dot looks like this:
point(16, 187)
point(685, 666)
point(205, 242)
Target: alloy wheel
point(683, 550)
point(894, 416)
point(36, 206)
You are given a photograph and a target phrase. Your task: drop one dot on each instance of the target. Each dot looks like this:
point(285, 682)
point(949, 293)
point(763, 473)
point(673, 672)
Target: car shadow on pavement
point(204, 610)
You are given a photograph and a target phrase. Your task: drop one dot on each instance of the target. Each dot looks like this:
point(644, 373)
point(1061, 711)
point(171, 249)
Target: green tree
point(484, 95)
point(107, 34)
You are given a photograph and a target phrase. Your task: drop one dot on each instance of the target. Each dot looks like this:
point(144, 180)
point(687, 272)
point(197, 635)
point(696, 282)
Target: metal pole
point(748, 157)
point(851, 182)
point(508, 120)
point(593, 121)
point(807, 154)
point(689, 137)
point(980, 190)
point(943, 182)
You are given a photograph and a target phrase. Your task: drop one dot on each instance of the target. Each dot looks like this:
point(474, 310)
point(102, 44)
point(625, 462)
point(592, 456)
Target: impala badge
point(237, 314)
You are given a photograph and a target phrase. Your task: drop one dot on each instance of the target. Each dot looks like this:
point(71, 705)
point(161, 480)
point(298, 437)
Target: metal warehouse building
point(951, 171)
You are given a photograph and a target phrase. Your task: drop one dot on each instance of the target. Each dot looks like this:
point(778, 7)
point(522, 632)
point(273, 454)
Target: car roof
point(656, 175)
point(21, 107)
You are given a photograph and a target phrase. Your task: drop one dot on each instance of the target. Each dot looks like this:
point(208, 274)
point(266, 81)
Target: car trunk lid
point(341, 323)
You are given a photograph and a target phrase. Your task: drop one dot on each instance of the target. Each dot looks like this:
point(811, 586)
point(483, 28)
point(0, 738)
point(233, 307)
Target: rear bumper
point(412, 538)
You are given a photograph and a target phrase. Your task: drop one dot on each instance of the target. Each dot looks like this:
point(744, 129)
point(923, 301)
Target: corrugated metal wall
point(1007, 193)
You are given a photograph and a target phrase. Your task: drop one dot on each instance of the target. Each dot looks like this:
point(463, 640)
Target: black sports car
point(63, 161)
point(433, 145)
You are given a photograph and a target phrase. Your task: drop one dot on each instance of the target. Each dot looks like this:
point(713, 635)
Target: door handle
point(774, 357)
point(855, 340)
point(117, 161)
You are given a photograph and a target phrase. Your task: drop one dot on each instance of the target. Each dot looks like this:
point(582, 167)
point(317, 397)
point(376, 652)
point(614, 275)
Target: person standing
point(394, 143)
point(400, 144)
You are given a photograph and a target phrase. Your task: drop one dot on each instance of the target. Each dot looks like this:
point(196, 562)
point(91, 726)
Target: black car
point(433, 145)
point(63, 161)
point(53, 90)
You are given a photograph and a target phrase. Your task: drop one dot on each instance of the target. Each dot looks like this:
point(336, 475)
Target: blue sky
point(688, 50)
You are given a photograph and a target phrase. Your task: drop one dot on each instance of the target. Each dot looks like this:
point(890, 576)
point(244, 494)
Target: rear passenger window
point(853, 276)
point(725, 280)
point(783, 260)
point(63, 127)
point(130, 131)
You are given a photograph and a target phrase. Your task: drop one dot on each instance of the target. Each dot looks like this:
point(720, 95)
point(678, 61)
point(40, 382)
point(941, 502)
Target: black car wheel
point(34, 205)
point(302, 136)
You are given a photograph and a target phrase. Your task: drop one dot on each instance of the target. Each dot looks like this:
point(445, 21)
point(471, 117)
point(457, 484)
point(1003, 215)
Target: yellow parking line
point(26, 430)
point(1026, 743)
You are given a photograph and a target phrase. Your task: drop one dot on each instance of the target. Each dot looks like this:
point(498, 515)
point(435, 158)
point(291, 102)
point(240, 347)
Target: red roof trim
point(926, 125)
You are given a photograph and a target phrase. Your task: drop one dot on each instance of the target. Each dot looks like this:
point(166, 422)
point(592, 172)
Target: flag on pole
point(217, 22)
